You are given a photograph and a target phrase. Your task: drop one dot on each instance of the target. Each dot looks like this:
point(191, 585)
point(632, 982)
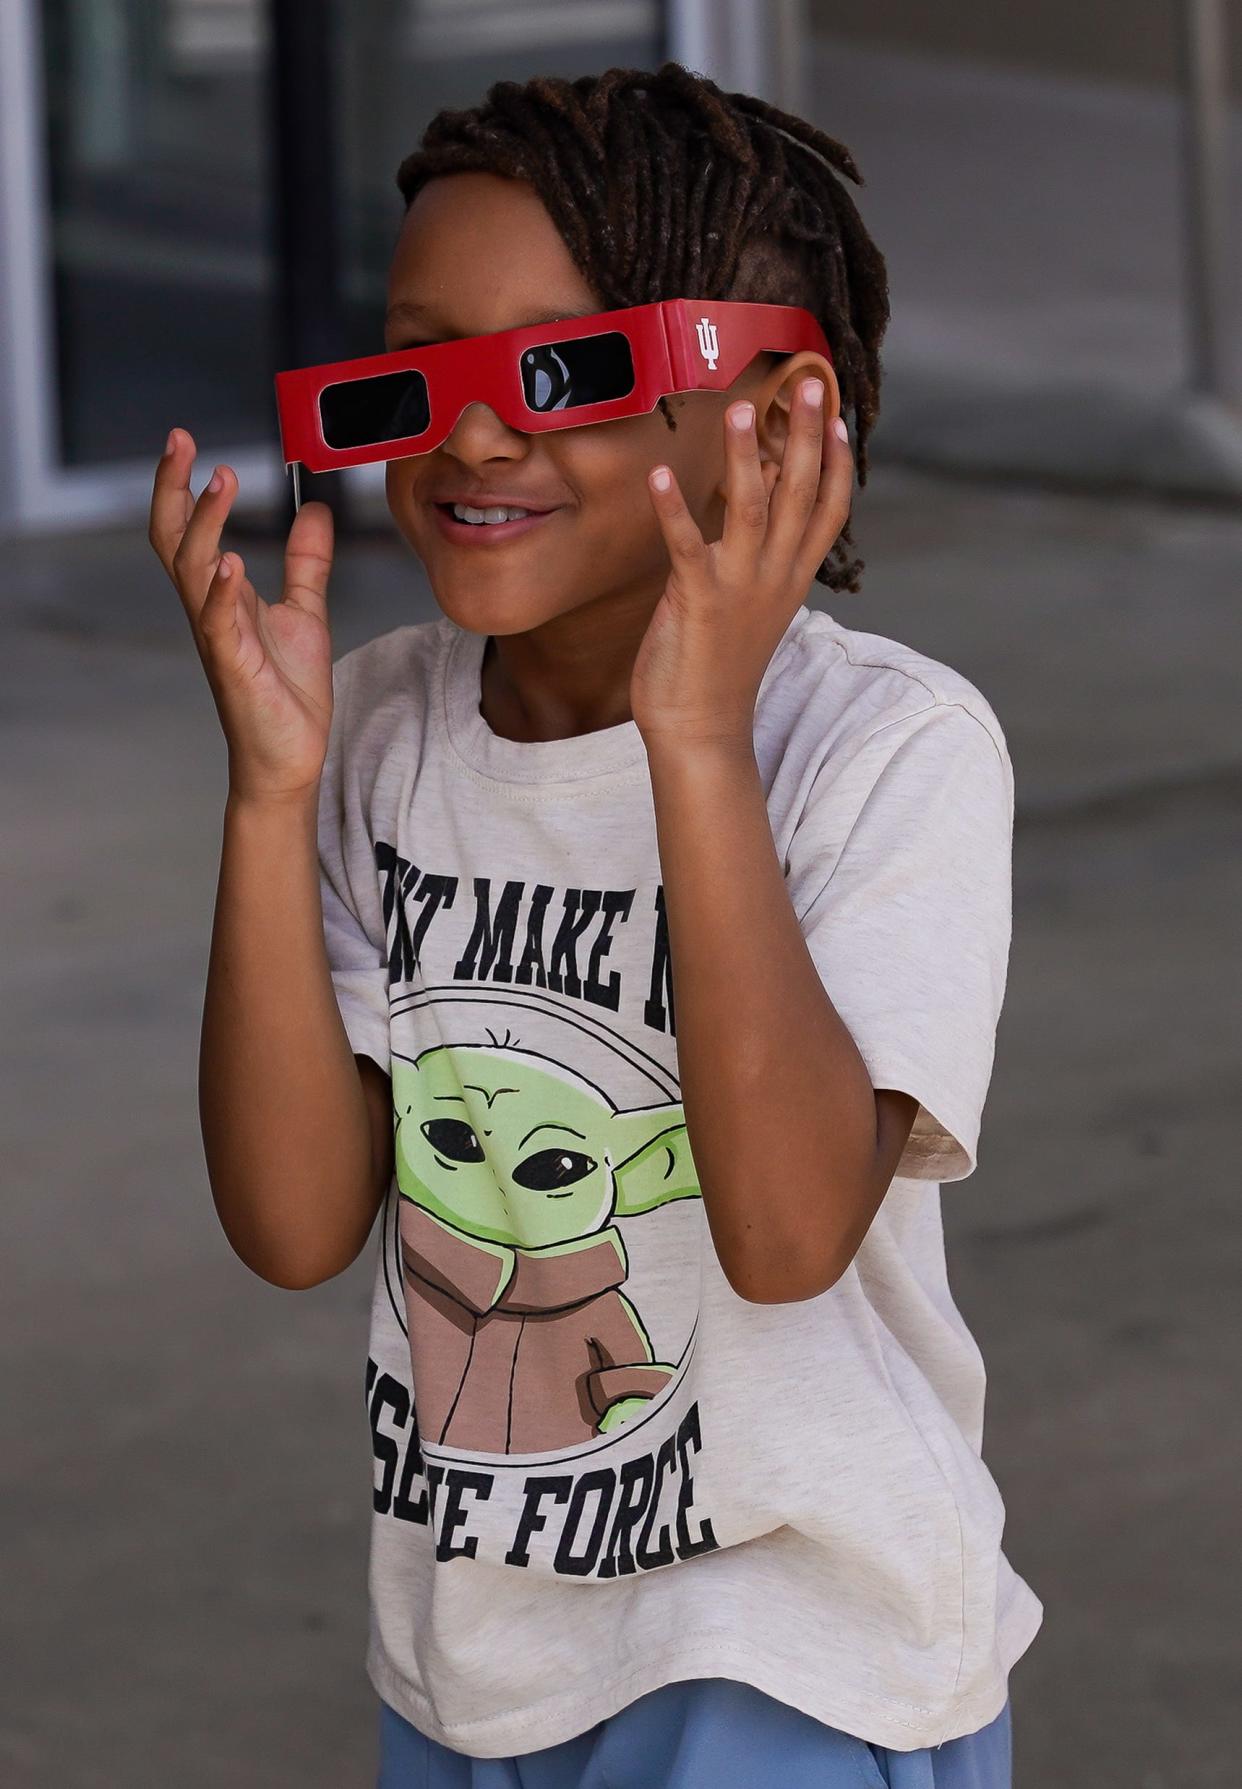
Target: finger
point(686, 547)
point(801, 476)
point(198, 554)
point(746, 492)
point(308, 559)
point(832, 506)
point(219, 627)
point(171, 503)
point(229, 623)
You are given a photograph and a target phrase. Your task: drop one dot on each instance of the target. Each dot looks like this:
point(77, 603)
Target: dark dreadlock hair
point(663, 186)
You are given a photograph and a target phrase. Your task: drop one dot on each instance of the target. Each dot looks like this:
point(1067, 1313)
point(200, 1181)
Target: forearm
point(780, 1109)
point(284, 1119)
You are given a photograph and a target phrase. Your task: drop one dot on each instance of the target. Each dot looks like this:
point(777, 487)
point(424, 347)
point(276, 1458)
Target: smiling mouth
point(463, 524)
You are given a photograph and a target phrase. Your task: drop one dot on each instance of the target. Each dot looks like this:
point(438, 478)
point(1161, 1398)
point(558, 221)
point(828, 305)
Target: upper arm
point(899, 869)
point(377, 1091)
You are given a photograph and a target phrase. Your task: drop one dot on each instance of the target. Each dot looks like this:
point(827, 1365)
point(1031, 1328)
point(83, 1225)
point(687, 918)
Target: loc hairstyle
point(664, 186)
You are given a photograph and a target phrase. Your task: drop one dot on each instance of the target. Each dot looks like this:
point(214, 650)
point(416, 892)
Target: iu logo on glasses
point(709, 342)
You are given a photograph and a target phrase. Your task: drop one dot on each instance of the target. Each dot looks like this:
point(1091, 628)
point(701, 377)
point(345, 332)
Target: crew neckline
point(585, 757)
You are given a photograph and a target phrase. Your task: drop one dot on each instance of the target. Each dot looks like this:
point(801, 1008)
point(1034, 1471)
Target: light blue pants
point(703, 1733)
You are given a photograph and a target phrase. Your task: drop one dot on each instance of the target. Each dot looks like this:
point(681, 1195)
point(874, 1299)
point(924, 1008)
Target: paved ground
point(185, 1484)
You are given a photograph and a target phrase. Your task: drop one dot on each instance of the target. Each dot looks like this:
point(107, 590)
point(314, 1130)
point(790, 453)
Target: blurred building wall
point(136, 191)
point(138, 248)
point(1130, 40)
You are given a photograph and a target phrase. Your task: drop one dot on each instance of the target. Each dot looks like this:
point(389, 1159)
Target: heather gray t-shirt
point(597, 1468)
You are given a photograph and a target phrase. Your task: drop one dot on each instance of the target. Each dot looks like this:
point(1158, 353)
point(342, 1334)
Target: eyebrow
point(407, 311)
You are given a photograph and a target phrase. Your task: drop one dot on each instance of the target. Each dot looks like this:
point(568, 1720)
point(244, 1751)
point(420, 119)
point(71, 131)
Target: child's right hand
point(269, 664)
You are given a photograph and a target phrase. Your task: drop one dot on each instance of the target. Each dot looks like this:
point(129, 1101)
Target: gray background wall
point(1128, 40)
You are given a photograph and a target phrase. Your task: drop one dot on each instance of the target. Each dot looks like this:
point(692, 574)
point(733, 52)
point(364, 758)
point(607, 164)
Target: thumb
point(308, 559)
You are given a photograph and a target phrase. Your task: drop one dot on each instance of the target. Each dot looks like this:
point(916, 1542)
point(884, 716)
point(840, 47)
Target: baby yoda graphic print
point(512, 1168)
point(534, 1386)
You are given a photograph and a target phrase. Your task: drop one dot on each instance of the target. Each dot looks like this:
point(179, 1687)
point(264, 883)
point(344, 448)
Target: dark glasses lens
point(589, 370)
point(361, 412)
point(555, 376)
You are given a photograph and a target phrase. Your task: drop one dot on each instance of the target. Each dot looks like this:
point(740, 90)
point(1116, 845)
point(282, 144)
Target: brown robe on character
point(518, 1351)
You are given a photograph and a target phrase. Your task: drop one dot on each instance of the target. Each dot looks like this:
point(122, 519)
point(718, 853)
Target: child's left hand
point(726, 605)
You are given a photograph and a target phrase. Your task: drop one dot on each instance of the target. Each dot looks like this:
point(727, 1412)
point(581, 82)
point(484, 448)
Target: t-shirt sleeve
point(900, 871)
point(353, 925)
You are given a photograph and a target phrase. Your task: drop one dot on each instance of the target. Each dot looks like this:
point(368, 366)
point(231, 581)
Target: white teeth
point(464, 513)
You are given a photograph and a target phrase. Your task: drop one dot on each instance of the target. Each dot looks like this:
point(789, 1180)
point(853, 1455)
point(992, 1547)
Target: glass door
point(160, 259)
point(138, 238)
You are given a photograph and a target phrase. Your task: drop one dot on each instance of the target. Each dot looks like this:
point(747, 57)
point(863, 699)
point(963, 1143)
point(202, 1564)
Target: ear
point(773, 400)
point(652, 1160)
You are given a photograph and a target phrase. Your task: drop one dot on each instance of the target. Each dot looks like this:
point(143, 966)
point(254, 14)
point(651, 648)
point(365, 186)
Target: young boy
point(632, 938)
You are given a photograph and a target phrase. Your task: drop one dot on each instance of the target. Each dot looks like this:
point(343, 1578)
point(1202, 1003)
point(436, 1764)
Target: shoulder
point(384, 687)
point(841, 694)
point(378, 667)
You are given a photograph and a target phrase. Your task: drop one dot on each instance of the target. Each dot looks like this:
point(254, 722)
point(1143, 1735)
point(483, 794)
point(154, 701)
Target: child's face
point(478, 253)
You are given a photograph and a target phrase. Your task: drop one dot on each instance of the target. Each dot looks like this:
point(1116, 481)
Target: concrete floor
point(185, 1478)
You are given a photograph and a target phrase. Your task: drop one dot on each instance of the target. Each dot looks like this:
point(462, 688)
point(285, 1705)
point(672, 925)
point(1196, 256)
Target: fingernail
point(661, 478)
point(813, 392)
point(839, 428)
point(225, 569)
point(170, 443)
point(742, 416)
point(215, 483)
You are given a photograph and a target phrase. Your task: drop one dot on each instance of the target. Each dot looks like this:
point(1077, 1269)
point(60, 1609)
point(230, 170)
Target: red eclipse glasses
point(544, 376)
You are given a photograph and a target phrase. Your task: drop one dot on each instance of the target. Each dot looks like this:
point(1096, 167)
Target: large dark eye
point(452, 1139)
point(551, 1168)
point(589, 370)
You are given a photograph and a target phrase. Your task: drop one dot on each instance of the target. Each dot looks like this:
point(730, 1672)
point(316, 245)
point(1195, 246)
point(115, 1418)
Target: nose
point(479, 435)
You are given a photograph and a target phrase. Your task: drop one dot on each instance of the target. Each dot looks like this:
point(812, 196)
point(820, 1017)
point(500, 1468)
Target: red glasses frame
point(677, 345)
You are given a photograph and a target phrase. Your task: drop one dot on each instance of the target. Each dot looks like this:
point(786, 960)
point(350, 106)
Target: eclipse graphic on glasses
point(588, 369)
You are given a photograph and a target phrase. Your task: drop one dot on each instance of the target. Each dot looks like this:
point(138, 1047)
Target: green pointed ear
point(651, 1159)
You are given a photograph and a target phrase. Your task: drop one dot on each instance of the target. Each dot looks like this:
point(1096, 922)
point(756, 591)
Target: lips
point(487, 534)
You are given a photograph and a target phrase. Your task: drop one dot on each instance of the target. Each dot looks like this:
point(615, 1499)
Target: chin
point(511, 608)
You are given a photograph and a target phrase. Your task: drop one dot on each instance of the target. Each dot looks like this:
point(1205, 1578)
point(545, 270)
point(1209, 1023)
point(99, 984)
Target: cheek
point(606, 469)
point(399, 486)
point(694, 449)
point(405, 485)
point(609, 466)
